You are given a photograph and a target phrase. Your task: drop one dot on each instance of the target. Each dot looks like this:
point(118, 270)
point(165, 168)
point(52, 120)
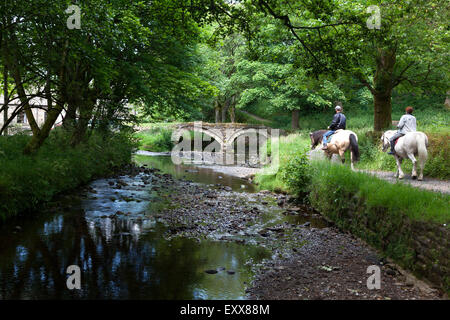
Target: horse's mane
point(316, 137)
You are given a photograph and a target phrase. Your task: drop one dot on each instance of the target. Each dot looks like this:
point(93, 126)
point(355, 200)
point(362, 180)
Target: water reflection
point(193, 173)
point(121, 256)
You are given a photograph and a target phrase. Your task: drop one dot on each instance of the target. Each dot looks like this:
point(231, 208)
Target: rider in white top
point(406, 124)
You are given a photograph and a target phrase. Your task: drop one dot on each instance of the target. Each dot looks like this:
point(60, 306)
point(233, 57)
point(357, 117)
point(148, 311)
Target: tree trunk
point(38, 139)
point(15, 72)
point(230, 103)
point(6, 98)
point(383, 111)
point(232, 114)
point(224, 111)
point(217, 111)
point(447, 100)
point(69, 120)
point(382, 91)
point(295, 119)
point(86, 110)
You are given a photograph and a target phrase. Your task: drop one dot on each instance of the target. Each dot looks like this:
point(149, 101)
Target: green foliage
point(291, 156)
point(295, 173)
point(333, 39)
point(156, 139)
point(26, 181)
point(333, 185)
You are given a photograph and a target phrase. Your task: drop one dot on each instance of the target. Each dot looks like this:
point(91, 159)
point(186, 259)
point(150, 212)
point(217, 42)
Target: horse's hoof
point(414, 177)
point(420, 179)
point(400, 177)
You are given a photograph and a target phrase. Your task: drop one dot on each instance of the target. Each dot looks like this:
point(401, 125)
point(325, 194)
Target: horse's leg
point(399, 167)
point(351, 161)
point(422, 165)
point(423, 154)
point(342, 155)
point(414, 161)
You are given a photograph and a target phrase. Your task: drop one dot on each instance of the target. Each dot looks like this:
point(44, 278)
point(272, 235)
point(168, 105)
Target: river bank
point(145, 233)
point(31, 181)
point(309, 258)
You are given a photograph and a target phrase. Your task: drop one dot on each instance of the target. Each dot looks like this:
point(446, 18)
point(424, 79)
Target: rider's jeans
point(395, 137)
point(326, 135)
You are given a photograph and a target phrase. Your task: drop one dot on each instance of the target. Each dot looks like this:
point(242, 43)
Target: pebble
point(211, 271)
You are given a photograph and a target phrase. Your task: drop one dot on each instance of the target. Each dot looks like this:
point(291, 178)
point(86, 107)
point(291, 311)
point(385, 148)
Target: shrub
point(156, 139)
point(26, 181)
point(295, 173)
point(438, 164)
point(289, 148)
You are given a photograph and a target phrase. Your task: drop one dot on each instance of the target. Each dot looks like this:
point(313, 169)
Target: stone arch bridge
point(225, 134)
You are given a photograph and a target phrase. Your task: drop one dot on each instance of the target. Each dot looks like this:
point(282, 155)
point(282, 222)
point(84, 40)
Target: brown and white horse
point(340, 142)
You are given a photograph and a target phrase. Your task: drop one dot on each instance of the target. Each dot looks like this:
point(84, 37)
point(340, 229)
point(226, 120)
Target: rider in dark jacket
point(339, 122)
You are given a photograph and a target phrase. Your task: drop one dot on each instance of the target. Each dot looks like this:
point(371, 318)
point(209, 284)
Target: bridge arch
point(215, 134)
point(224, 133)
point(244, 131)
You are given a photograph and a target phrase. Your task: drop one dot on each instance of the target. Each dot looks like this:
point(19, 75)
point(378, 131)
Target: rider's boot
point(392, 152)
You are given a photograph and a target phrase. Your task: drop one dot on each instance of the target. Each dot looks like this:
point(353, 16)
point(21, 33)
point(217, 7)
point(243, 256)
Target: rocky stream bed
point(189, 233)
point(309, 258)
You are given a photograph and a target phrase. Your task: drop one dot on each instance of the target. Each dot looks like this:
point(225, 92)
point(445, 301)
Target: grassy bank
point(332, 187)
point(156, 137)
point(409, 225)
point(26, 181)
point(290, 148)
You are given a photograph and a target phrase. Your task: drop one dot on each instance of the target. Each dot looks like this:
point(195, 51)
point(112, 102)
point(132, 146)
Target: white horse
point(411, 145)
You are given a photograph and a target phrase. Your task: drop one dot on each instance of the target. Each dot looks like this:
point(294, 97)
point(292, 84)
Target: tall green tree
point(125, 53)
point(410, 49)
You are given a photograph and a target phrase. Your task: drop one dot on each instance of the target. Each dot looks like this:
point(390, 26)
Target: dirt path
point(430, 184)
point(255, 117)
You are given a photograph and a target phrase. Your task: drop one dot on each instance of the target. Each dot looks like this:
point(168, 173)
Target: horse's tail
point(354, 147)
point(422, 144)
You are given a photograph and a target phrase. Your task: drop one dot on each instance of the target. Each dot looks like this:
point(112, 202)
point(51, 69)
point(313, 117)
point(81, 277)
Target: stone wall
point(423, 247)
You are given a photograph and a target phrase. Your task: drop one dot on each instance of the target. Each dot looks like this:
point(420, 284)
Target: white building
point(20, 121)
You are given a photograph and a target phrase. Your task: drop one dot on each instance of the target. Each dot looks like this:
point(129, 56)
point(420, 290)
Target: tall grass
point(156, 139)
point(333, 184)
point(289, 147)
point(26, 181)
